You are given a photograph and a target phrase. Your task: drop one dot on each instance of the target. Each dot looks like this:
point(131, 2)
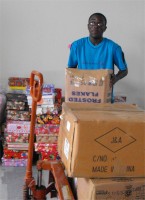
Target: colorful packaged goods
point(44, 147)
point(47, 109)
point(2, 106)
point(19, 154)
point(52, 156)
point(18, 81)
point(14, 162)
point(18, 126)
point(18, 146)
point(47, 89)
point(49, 129)
point(43, 138)
point(45, 100)
point(17, 138)
point(120, 99)
point(48, 119)
point(16, 97)
point(58, 95)
point(15, 105)
point(18, 115)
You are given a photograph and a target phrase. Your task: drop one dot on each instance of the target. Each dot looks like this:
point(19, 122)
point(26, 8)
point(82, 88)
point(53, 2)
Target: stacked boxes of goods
point(16, 149)
point(2, 118)
point(102, 147)
point(18, 84)
point(47, 121)
point(17, 124)
point(46, 141)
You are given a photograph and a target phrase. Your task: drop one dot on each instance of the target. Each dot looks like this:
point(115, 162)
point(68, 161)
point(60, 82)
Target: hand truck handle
point(36, 85)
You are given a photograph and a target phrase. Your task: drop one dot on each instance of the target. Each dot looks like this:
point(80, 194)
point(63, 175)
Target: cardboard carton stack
point(17, 124)
point(103, 147)
point(112, 189)
point(103, 141)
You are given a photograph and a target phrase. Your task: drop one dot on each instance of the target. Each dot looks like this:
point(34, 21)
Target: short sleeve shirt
point(105, 55)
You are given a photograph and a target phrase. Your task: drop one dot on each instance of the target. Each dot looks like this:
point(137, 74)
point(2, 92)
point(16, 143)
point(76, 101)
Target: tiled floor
point(12, 181)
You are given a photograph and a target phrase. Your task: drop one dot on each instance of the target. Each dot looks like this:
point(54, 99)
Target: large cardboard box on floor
point(102, 140)
point(111, 189)
point(90, 86)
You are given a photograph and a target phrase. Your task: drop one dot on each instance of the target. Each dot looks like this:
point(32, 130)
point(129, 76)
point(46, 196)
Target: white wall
point(35, 34)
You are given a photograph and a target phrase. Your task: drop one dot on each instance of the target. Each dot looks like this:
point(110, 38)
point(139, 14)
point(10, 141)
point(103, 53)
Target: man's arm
point(118, 76)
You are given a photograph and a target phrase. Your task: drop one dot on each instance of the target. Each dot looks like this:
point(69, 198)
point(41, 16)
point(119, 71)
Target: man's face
point(96, 26)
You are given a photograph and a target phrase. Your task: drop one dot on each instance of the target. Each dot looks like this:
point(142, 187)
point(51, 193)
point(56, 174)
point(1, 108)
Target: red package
point(16, 137)
point(58, 96)
point(44, 147)
point(15, 154)
point(46, 129)
point(18, 81)
point(49, 156)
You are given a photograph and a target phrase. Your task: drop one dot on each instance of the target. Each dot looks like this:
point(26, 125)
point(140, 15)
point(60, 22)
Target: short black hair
point(99, 14)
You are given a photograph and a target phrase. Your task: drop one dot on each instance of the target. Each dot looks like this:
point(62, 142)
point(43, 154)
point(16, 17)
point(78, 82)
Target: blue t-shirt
point(105, 55)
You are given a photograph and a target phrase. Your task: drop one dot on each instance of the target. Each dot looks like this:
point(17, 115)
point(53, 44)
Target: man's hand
point(117, 77)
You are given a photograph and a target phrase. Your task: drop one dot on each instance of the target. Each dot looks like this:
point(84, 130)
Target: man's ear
point(88, 26)
point(105, 28)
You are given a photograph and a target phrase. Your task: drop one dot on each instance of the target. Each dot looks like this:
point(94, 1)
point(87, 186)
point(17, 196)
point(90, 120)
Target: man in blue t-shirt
point(96, 52)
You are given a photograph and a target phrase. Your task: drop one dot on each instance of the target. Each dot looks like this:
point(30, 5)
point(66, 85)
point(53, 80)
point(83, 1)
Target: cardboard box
point(87, 86)
point(111, 189)
point(102, 140)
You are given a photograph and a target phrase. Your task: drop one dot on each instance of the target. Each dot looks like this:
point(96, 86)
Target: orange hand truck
point(58, 184)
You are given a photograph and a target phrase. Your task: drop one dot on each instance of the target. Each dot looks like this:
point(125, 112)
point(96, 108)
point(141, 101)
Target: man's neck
point(96, 41)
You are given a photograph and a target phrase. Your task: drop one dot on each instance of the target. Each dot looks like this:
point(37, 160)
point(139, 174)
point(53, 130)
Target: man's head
point(97, 25)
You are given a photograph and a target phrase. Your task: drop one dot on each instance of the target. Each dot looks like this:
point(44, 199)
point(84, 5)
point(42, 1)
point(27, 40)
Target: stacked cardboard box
point(111, 189)
point(102, 141)
point(102, 145)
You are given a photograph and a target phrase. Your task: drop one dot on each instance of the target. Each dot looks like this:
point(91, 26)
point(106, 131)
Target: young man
point(96, 52)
